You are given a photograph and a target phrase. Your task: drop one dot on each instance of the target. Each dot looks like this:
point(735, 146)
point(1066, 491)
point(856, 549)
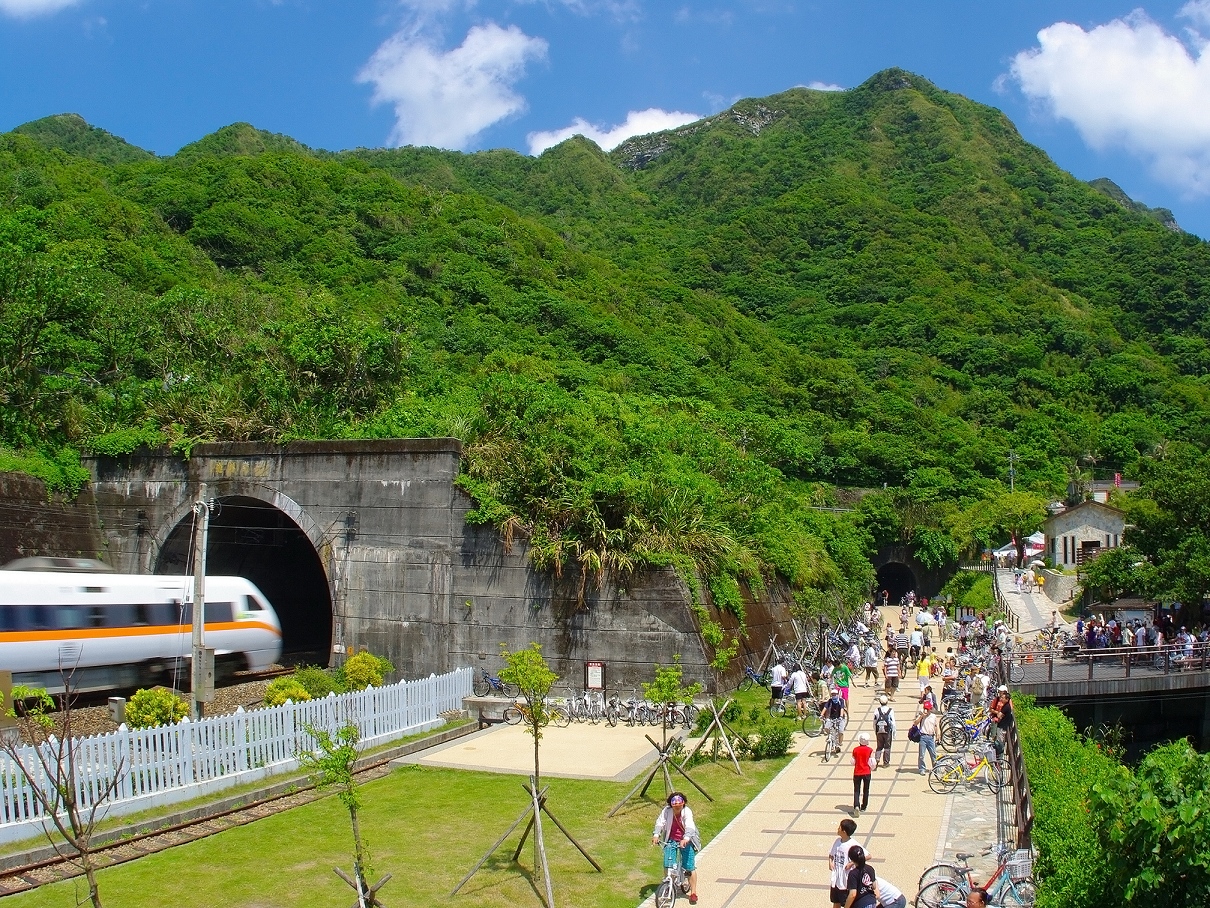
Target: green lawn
point(428, 828)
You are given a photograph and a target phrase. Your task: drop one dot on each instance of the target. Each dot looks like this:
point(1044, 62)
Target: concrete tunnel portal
point(253, 539)
point(897, 579)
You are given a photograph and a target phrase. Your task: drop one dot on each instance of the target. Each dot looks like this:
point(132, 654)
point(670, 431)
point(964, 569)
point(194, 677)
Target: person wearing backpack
point(884, 730)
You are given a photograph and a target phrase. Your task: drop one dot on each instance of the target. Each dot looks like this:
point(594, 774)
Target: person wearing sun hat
point(676, 823)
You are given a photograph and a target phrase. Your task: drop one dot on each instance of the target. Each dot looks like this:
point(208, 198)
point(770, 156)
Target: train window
point(158, 614)
point(9, 618)
point(40, 617)
point(118, 616)
point(254, 604)
point(219, 612)
point(72, 617)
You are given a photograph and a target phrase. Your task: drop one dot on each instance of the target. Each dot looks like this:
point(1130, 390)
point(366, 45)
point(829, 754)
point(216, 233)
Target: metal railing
point(1011, 618)
point(1023, 802)
point(1105, 664)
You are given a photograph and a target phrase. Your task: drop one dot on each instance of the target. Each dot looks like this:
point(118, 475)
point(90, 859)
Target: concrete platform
point(618, 754)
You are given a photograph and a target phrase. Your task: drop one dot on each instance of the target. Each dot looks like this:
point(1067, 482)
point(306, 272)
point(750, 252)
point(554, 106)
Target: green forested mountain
point(673, 352)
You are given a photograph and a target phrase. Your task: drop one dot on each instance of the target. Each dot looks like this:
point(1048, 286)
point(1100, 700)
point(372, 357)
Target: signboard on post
point(594, 675)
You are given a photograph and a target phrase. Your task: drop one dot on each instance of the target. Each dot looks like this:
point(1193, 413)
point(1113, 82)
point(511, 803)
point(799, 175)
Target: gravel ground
point(95, 720)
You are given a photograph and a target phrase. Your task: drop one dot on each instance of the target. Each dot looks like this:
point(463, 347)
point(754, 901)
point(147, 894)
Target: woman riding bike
point(675, 823)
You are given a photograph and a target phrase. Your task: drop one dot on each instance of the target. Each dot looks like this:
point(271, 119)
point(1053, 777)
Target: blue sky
point(1106, 88)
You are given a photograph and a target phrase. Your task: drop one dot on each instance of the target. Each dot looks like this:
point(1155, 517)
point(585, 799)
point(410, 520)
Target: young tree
point(331, 766)
point(527, 669)
point(51, 766)
point(668, 688)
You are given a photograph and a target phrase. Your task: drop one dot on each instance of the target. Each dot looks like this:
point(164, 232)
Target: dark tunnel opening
point(897, 579)
point(252, 539)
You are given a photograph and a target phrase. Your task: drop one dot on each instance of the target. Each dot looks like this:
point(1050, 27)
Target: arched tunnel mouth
point(252, 539)
point(897, 579)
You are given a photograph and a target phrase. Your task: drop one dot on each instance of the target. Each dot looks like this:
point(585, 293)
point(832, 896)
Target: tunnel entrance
point(252, 539)
point(897, 579)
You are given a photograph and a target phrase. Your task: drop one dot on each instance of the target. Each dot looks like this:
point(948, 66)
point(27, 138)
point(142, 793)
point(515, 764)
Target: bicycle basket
point(1020, 865)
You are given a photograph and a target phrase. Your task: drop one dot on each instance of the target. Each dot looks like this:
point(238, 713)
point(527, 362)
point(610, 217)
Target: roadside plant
point(282, 689)
point(153, 707)
point(364, 670)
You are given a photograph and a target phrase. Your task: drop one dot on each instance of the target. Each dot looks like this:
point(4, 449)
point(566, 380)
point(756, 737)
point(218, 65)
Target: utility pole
point(1012, 470)
point(202, 687)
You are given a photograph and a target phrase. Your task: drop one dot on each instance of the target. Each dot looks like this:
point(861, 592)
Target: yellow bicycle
point(951, 771)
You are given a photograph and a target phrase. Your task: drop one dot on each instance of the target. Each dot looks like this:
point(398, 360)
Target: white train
point(124, 631)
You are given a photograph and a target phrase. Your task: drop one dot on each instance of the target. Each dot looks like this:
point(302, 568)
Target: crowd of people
point(942, 678)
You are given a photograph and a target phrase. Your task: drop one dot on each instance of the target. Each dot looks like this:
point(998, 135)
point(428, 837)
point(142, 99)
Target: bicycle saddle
point(963, 856)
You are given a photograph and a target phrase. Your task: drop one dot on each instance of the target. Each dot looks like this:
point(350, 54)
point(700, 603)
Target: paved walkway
point(1032, 608)
point(775, 851)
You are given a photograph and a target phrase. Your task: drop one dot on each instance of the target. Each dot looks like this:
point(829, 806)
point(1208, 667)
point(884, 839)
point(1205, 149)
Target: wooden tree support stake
point(367, 897)
point(661, 766)
point(533, 812)
point(719, 728)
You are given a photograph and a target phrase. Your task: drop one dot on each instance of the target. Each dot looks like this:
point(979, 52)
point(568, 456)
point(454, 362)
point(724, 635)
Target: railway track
point(122, 850)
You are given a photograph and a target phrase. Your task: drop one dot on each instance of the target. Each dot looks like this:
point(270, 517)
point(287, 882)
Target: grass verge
point(427, 827)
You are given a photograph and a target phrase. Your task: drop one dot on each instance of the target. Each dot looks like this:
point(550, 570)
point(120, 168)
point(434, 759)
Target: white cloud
point(825, 86)
point(1128, 83)
point(27, 9)
point(1197, 11)
point(447, 98)
point(638, 123)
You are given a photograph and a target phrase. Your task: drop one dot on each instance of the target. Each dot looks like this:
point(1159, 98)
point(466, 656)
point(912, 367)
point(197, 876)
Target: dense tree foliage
point(671, 354)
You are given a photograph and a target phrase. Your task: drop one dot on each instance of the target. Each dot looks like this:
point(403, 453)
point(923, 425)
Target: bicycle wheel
point(611, 716)
point(480, 686)
point(1016, 672)
point(777, 709)
point(559, 716)
point(954, 737)
point(691, 714)
point(946, 775)
point(510, 690)
point(1016, 894)
point(954, 873)
point(812, 725)
point(665, 896)
point(938, 892)
point(993, 777)
point(746, 683)
point(513, 715)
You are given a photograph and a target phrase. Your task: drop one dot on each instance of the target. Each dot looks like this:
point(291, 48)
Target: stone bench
point(490, 710)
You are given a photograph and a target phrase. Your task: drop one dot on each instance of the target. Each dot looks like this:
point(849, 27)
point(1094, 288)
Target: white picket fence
point(165, 765)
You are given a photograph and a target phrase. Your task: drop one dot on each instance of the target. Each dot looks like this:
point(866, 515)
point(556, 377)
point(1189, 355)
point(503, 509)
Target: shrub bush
point(773, 740)
point(363, 670)
point(318, 682)
point(282, 689)
point(149, 708)
point(1072, 867)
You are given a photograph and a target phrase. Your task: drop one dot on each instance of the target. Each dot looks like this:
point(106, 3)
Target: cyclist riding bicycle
point(675, 823)
point(833, 712)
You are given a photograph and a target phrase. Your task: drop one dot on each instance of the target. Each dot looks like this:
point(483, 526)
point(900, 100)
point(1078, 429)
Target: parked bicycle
point(947, 884)
point(485, 684)
point(951, 771)
point(753, 678)
point(520, 710)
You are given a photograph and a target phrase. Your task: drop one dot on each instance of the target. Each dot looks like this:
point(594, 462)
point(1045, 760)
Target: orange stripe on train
point(98, 633)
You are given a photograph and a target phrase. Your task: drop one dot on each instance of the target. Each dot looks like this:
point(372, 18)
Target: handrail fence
point(158, 766)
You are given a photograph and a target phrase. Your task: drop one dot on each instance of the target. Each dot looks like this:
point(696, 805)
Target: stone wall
point(32, 522)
